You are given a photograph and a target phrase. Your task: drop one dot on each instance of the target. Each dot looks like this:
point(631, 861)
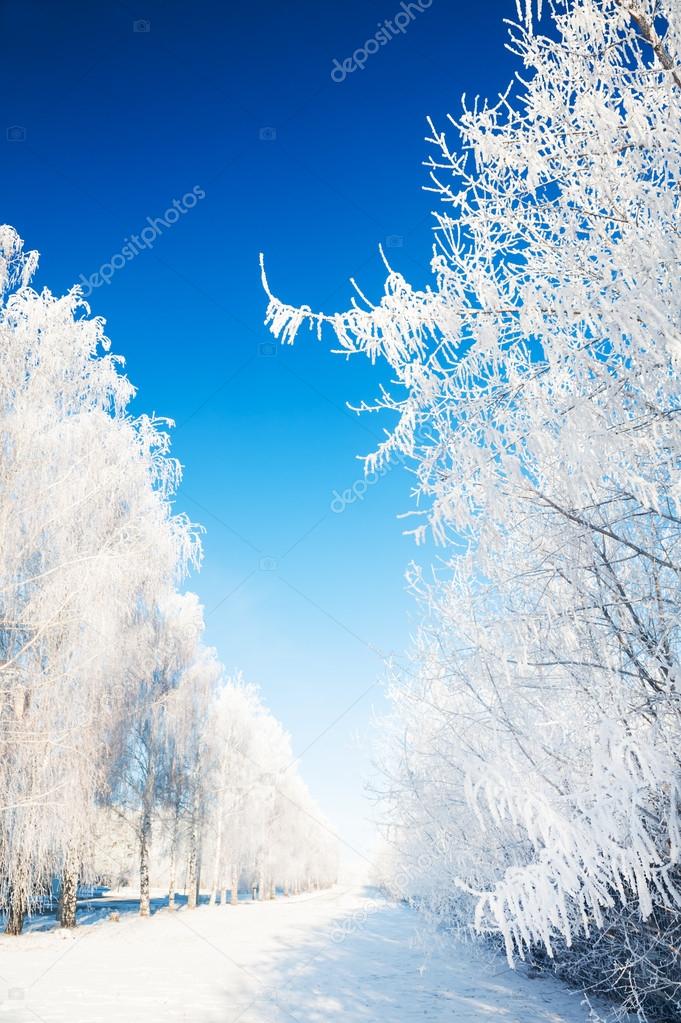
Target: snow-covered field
point(340, 955)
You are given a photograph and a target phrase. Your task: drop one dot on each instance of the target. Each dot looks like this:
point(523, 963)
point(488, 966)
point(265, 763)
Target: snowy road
point(340, 955)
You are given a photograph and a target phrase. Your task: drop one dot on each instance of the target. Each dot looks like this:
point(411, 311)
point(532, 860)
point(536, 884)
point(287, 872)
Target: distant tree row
point(111, 706)
point(532, 760)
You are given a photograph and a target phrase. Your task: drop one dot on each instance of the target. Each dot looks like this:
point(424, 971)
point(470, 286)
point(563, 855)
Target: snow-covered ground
point(343, 955)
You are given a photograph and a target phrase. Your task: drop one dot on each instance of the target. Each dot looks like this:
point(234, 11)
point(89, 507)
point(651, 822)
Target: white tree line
point(111, 706)
point(531, 756)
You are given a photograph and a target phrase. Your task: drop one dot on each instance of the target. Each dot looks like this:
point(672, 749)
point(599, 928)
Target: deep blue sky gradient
point(119, 123)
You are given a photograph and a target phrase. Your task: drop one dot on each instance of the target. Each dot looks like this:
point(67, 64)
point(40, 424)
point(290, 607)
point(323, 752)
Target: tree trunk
point(216, 864)
point(192, 865)
point(145, 837)
point(218, 841)
point(191, 873)
point(68, 894)
point(199, 863)
point(172, 868)
point(235, 888)
point(16, 913)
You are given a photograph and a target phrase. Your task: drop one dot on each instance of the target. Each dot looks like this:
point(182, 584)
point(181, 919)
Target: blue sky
point(111, 125)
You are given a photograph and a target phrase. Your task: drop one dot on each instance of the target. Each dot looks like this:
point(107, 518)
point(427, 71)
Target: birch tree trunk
point(145, 837)
point(145, 821)
point(172, 868)
point(191, 870)
point(16, 913)
point(216, 863)
point(68, 895)
point(235, 887)
point(193, 863)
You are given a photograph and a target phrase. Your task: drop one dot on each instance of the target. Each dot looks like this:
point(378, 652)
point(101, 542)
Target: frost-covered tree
point(115, 725)
point(264, 825)
point(188, 763)
point(532, 763)
point(87, 533)
point(230, 783)
point(157, 731)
